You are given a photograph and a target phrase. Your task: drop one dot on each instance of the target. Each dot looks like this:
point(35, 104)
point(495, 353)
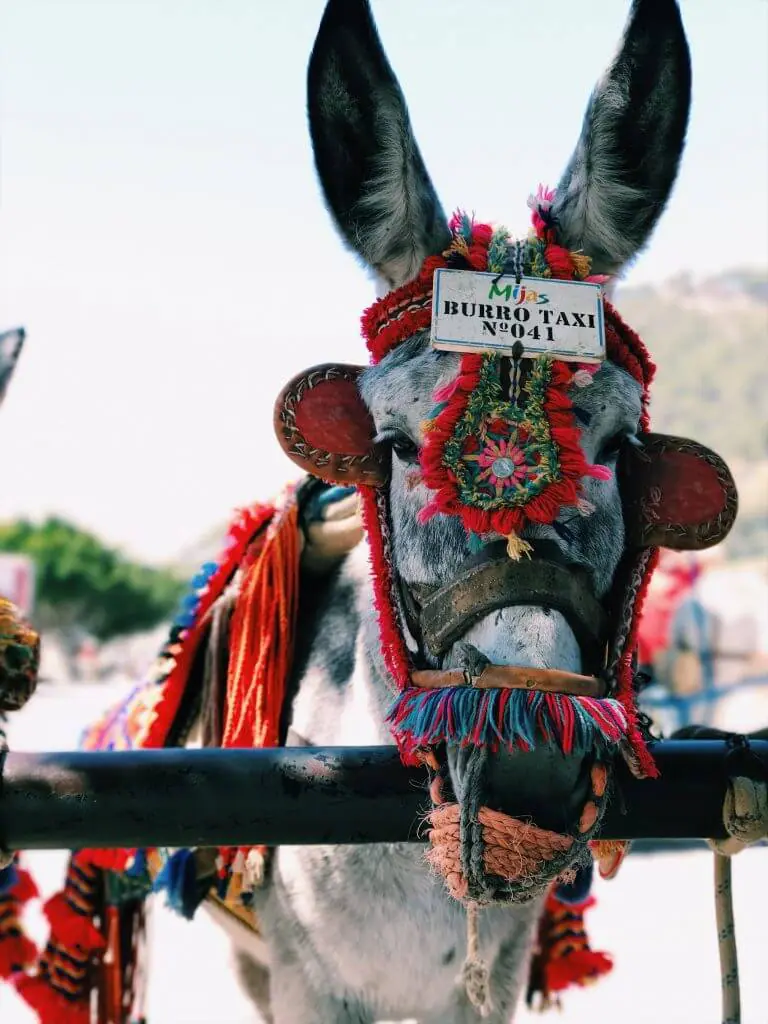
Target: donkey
point(361, 934)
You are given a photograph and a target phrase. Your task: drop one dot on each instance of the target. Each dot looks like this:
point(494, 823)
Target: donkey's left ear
point(625, 164)
point(11, 343)
point(676, 494)
point(370, 168)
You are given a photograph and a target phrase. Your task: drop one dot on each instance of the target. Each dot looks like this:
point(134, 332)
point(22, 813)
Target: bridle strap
point(447, 613)
point(513, 677)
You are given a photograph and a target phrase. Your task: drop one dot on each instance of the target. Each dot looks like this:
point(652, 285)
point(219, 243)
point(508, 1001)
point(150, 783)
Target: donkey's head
point(457, 604)
point(607, 204)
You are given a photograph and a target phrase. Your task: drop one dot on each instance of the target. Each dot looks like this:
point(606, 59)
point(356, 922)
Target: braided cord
point(726, 941)
point(745, 816)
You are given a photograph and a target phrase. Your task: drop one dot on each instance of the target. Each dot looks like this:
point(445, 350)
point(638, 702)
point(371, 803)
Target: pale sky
point(163, 240)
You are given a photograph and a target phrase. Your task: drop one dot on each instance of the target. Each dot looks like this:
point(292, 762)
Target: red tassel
point(60, 993)
point(107, 860)
point(579, 967)
point(17, 951)
point(70, 926)
point(393, 647)
point(563, 955)
point(25, 888)
point(111, 989)
point(60, 989)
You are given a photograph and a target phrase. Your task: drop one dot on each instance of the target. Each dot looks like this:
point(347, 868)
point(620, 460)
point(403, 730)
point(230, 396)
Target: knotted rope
point(745, 816)
point(475, 975)
point(512, 849)
point(484, 855)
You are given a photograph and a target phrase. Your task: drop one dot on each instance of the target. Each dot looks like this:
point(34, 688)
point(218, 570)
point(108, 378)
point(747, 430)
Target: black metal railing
point(304, 796)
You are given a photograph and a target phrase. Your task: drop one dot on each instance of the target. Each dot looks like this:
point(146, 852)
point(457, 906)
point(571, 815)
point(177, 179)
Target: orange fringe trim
point(262, 633)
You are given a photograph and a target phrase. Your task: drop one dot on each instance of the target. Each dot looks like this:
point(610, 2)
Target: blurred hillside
point(710, 342)
point(709, 338)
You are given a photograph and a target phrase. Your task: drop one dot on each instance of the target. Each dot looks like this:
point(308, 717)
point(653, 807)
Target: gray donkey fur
point(361, 934)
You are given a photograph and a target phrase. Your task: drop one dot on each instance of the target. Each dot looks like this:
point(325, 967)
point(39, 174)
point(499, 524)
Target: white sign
point(17, 581)
point(481, 312)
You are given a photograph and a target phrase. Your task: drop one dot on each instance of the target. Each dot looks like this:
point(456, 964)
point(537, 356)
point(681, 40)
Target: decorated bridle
point(502, 452)
point(500, 461)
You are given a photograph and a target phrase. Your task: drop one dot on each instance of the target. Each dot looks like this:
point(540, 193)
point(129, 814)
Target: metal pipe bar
point(304, 796)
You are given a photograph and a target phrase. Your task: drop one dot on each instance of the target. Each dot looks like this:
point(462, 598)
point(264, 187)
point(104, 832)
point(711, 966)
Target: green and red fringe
point(645, 767)
point(442, 478)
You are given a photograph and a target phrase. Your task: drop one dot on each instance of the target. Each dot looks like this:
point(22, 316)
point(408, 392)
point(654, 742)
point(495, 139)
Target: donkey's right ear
point(370, 168)
point(324, 427)
point(623, 169)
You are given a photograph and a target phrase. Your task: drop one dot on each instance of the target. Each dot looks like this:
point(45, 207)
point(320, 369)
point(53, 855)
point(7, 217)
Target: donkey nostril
point(546, 609)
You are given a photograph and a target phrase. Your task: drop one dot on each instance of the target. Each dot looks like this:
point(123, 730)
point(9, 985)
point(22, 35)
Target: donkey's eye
point(402, 445)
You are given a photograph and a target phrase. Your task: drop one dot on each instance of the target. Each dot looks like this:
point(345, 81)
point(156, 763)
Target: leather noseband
point(490, 581)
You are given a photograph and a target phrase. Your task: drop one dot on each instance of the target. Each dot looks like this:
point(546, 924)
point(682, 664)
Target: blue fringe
point(465, 227)
point(436, 410)
point(574, 893)
point(139, 866)
point(476, 542)
point(8, 878)
point(464, 714)
point(178, 877)
point(206, 570)
point(187, 611)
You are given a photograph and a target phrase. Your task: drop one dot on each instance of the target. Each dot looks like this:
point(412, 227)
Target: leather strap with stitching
point(513, 677)
point(449, 612)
